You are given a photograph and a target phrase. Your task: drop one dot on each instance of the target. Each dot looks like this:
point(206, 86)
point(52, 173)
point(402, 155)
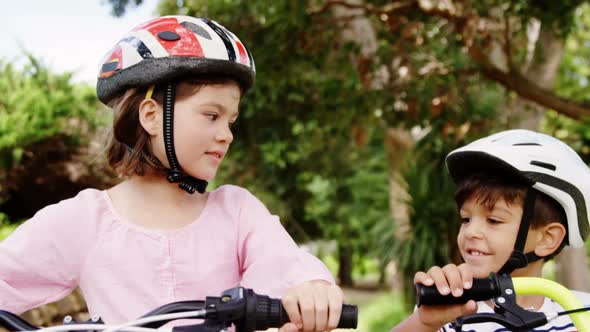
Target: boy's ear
point(150, 116)
point(551, 236)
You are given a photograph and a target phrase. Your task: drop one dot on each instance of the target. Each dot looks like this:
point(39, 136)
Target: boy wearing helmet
point(174, 84)
point(522, 196)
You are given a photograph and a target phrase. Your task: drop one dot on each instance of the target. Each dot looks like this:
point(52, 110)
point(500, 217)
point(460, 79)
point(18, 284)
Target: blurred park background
point(355, 106)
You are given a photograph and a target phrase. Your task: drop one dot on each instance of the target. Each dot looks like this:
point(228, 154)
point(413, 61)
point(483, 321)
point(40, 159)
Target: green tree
point(46, 122)
point(331, 69)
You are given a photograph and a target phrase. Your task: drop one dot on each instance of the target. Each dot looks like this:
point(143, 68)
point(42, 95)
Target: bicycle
point(502, 289)
point(239, 306)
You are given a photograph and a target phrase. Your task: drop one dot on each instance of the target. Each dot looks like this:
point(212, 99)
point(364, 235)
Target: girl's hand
point(448, 279)
point(313, 306)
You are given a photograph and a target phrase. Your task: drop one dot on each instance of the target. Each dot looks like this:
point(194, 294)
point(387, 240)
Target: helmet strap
point(175, 173)
point(518, 259)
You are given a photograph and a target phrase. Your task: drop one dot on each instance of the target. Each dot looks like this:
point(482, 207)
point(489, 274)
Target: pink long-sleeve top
point(125, 270)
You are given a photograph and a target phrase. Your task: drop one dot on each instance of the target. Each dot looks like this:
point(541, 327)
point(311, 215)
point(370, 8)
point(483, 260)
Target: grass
point(382, 313)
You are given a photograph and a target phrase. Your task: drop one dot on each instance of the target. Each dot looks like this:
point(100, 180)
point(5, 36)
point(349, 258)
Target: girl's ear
point(150, 116)
point(551, 236)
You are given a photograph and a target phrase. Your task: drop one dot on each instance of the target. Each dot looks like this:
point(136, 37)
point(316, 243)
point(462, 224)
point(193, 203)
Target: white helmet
point(547, 164)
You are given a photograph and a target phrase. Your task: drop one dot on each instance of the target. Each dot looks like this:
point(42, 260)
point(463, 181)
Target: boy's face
point(486, 237)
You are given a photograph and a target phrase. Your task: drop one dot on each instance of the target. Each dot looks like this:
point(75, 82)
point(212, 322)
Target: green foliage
point(433, 220)
point(36, 104)
point(6, 230)
point(309, 141)
point(45, 120)
point(574, 71)
point(558, 14)
point(5, 227)
point(382, 314)
point(573, 83)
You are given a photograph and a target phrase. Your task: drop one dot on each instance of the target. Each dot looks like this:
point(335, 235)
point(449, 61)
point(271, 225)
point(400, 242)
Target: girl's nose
point(225, 135)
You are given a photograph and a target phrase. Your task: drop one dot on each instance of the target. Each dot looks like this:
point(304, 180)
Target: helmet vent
point(526, 144)
point(544, 165)
point(197, 29)
point(109, 66)
point(168, 36)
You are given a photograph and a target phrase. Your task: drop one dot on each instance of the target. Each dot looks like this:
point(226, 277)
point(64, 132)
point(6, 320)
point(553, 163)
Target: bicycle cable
point(189, 314)
point(96, 327)
point(573, 311)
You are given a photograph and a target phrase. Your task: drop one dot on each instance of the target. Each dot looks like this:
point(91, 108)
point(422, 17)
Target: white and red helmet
point(544, 162)
point(170, 47)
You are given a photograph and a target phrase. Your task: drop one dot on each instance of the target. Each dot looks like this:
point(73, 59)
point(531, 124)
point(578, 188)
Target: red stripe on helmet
point(243, 55)
point(187, 45)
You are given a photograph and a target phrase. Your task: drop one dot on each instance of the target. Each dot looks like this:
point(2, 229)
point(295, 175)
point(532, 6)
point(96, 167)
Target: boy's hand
point(313, 306)
point(448, 279)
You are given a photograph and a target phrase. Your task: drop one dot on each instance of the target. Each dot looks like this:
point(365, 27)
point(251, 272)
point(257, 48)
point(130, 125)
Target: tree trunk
point(345, 265)
point(541, 69)
point(398, 142)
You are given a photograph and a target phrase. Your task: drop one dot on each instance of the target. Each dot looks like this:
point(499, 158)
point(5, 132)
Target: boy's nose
point(474, 228)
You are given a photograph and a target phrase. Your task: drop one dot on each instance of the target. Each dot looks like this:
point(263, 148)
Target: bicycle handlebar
point(242, 307)
point(481, 290)
point(503, 289)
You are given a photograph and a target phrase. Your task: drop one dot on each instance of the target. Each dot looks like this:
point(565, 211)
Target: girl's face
point(202, 132)
point(487, 236)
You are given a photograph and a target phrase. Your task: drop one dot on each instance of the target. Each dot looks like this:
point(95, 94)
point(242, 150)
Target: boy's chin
point(480, 272)
point(481, 275)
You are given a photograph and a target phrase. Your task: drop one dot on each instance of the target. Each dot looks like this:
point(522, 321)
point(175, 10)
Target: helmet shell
point(544, 162)
point(170, 47)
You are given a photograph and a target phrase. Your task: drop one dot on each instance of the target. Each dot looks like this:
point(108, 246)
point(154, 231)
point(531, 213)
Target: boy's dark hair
point(487, 189)
point(129, 151)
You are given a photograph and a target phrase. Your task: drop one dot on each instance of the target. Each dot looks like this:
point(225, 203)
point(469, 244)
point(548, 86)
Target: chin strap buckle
point(186, 182)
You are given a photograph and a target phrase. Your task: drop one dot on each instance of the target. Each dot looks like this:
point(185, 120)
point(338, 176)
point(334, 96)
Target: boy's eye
point(465, 220)
point(494, 221)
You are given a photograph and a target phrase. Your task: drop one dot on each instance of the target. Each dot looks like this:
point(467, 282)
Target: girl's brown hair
point(129, 151)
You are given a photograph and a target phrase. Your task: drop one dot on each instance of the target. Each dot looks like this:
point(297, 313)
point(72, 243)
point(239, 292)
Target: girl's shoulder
point(87, 205)
point(230, 194)
point(69, 222)
point(237, 201)
point(85, 199)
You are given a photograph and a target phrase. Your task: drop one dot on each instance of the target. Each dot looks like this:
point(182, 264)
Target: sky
point(67, 35)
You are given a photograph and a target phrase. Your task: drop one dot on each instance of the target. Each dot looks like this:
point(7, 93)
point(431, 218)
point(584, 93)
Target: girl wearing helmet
point(522, 197)
point(174, 84)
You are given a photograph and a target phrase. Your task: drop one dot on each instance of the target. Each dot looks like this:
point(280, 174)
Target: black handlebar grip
point(348, 318)
point(264, 312)
point(481, 290)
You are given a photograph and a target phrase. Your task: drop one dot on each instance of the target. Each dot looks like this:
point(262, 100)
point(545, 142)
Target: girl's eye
point(494, 221)
point(464, 220)
point(212, 116)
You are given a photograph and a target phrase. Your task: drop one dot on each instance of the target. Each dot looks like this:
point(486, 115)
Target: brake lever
point(510, 321)
point(506, 312)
